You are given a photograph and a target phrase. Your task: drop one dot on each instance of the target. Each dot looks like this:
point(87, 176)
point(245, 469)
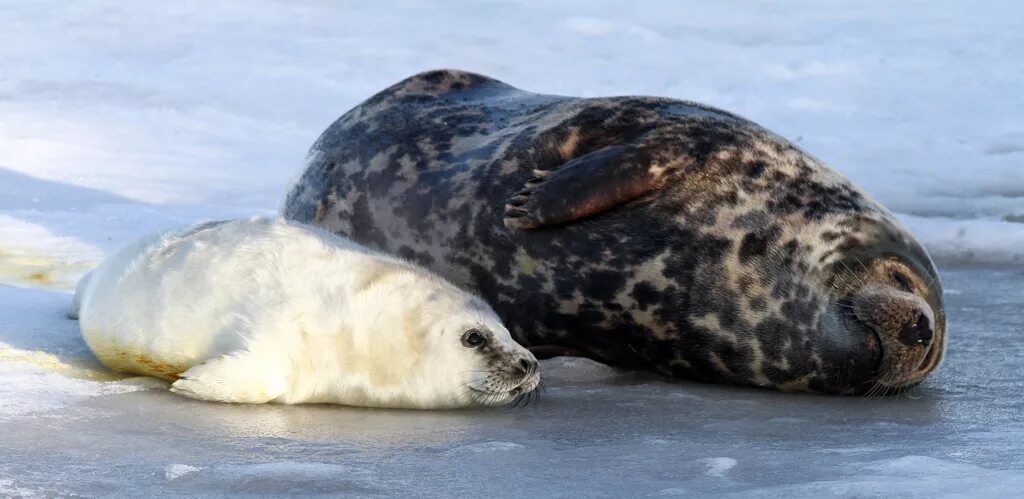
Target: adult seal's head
point(638, 231)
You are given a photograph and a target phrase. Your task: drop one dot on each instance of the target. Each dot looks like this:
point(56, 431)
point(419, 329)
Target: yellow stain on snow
point(51, 362)
point(23, 268)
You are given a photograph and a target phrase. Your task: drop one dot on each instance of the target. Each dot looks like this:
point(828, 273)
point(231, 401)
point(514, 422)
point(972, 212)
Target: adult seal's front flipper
point(584, 186)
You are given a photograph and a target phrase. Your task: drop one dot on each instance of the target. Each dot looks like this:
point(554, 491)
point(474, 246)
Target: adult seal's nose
point(917, 331)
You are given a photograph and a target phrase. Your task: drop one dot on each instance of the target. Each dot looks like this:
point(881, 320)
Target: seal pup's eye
point(901, 280)
point(473, 338)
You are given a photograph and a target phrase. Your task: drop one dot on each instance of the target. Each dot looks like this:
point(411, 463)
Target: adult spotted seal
point(638, 231)
point(259, 310)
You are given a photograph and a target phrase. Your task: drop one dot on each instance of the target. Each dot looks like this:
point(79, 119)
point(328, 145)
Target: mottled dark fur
point(644, 232)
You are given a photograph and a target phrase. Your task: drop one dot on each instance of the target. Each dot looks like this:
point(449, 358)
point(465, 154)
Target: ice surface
point(118, 120)
point(595, 431)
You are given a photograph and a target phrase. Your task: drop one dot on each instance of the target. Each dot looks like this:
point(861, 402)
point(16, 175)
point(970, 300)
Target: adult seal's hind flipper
point(640, 231)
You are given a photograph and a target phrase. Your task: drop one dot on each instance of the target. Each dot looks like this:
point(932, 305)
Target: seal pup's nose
point(917, 331)
point(527, 366)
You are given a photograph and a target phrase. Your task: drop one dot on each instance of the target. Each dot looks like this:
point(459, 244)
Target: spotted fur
point(721, 257)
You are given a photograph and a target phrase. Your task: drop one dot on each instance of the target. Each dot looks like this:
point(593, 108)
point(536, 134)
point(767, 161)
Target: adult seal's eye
point(473, 339)
point(902, 280)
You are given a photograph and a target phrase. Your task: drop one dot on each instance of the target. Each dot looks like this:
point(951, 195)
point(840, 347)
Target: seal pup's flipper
point(241, 377)
point(587, 185)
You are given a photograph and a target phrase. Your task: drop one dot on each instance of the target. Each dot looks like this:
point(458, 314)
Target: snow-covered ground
point(119, 118)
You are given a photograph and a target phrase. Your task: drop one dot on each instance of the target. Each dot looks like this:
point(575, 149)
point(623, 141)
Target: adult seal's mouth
point(898, 314)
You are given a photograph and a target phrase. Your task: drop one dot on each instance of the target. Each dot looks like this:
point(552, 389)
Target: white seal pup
point(261, 310)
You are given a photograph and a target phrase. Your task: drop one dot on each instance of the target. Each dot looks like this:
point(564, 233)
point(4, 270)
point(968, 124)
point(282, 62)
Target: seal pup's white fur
point(263, 310)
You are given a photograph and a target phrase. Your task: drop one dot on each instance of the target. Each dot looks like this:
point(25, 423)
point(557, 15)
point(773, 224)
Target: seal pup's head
point(474, 353)
point(420, 341)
